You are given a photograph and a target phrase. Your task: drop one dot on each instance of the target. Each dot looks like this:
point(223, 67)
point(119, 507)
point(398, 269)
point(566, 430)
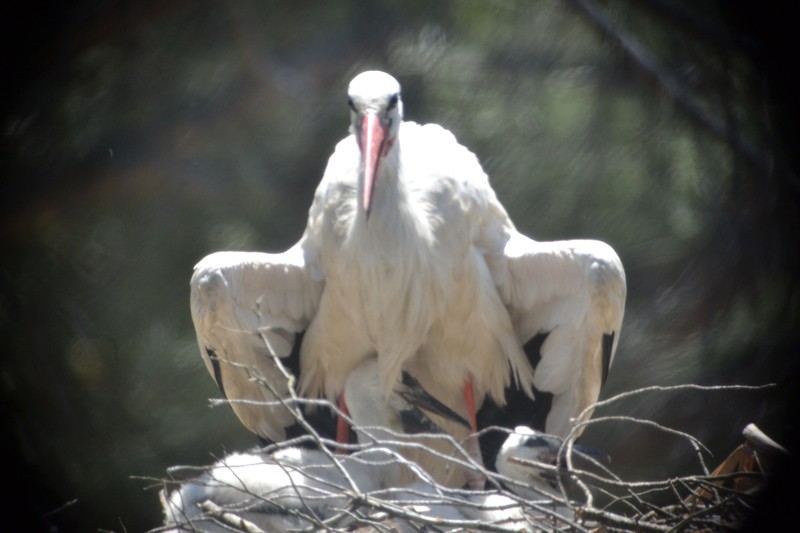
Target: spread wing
point(247, 306)
point(574, 291)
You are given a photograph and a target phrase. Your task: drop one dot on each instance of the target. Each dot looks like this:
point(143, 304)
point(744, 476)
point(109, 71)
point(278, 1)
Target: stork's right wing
point(573, 291)
point(247, 307)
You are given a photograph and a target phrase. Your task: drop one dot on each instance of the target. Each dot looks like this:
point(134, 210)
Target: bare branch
point(651, 66)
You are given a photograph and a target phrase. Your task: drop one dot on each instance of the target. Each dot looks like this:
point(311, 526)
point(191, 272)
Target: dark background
point(139, 136)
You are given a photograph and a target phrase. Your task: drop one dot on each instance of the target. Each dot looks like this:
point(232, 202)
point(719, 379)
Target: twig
point(231, 519)
point(345, 505)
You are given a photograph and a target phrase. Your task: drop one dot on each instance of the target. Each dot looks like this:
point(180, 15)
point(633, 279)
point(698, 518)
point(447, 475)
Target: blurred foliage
point(141, 136)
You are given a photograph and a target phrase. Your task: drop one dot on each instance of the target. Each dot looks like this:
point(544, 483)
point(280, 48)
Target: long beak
point(371, 142)
point(419, 397)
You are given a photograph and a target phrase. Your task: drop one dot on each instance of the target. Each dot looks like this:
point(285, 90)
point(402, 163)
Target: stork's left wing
point(574, 291)
point(248, 307)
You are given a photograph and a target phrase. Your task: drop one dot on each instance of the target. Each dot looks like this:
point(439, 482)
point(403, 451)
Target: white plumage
point(408, 256)
point(280, 492)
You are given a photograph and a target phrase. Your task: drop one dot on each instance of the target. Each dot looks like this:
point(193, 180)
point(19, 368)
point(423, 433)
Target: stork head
point(375, 113)
point(527, 445)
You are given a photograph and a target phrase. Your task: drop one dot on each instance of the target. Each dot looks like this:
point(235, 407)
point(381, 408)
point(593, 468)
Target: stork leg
point(342, 426)
point(475, 480)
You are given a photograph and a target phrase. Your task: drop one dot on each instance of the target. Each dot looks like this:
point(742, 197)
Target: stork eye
point(392, 102)
point(351, 104)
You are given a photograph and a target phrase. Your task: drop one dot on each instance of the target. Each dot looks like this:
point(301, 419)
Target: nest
point(303, 484)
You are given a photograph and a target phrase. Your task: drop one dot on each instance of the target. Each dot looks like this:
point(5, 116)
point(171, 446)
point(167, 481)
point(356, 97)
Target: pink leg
point(475, 480)
point(342, 427)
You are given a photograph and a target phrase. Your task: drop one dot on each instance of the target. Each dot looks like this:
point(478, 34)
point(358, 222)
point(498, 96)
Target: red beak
point(372, 142)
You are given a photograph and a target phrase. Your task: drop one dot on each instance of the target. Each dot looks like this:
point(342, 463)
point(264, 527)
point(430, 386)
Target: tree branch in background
point(653, 68)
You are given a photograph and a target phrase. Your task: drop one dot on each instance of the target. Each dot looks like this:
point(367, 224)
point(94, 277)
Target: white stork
point(409, 256)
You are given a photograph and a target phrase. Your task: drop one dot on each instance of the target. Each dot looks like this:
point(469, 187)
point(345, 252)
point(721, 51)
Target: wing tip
point(607, 353)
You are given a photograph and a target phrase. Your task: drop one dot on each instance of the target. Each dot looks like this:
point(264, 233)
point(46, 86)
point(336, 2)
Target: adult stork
point(409, 256)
